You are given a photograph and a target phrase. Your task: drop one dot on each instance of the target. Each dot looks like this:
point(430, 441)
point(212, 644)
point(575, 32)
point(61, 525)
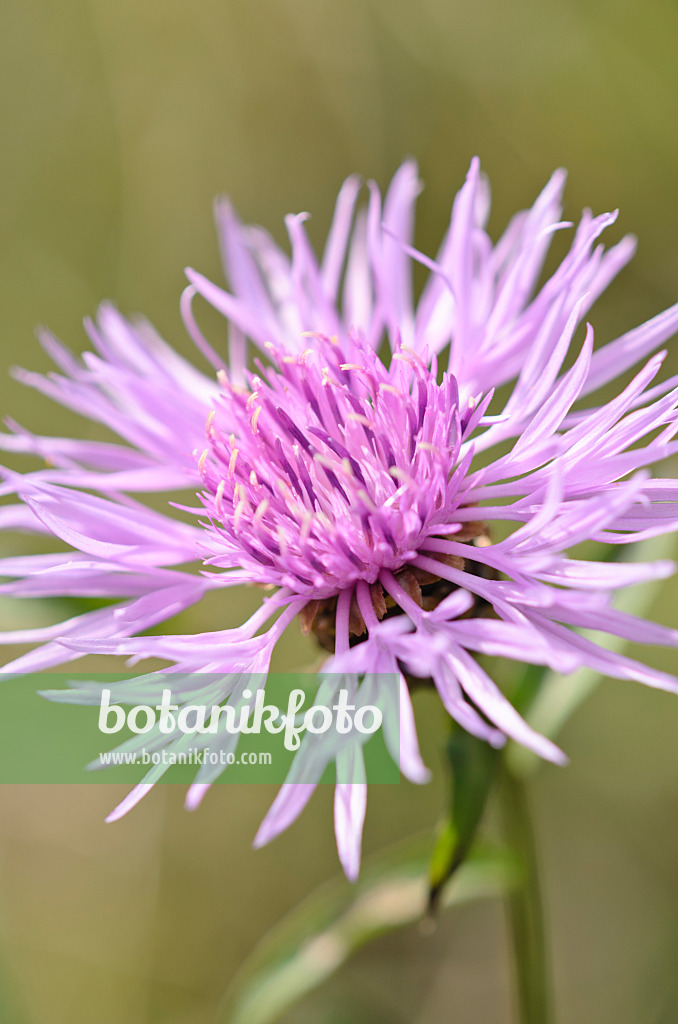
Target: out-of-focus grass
point(120, 122)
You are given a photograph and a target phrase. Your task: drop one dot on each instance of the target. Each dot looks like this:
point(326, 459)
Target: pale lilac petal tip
point(130, 801)
point(196, 794)
point(350, 804)
point(286, 808)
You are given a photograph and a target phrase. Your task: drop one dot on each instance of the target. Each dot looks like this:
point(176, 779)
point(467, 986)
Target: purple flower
point(361, 489)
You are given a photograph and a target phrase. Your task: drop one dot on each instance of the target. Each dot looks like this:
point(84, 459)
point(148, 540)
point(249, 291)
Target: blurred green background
point(120, 122)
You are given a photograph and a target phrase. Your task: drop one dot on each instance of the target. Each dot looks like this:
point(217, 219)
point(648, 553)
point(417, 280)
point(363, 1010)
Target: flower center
point(329, 467)
point(425, 588)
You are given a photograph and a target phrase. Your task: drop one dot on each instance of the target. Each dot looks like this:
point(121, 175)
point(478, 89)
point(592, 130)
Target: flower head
point(355, 467)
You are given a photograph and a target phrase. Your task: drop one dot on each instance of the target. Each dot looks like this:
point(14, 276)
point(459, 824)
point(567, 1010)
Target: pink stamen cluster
point(330, 467)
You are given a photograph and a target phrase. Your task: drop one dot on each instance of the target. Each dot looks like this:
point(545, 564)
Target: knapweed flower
point(347, 456)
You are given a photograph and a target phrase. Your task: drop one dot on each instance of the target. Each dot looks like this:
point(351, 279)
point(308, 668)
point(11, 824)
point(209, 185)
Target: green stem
point(525, 910)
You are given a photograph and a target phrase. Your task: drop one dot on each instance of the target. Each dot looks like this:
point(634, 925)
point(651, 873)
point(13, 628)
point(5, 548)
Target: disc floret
point(330, 467)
